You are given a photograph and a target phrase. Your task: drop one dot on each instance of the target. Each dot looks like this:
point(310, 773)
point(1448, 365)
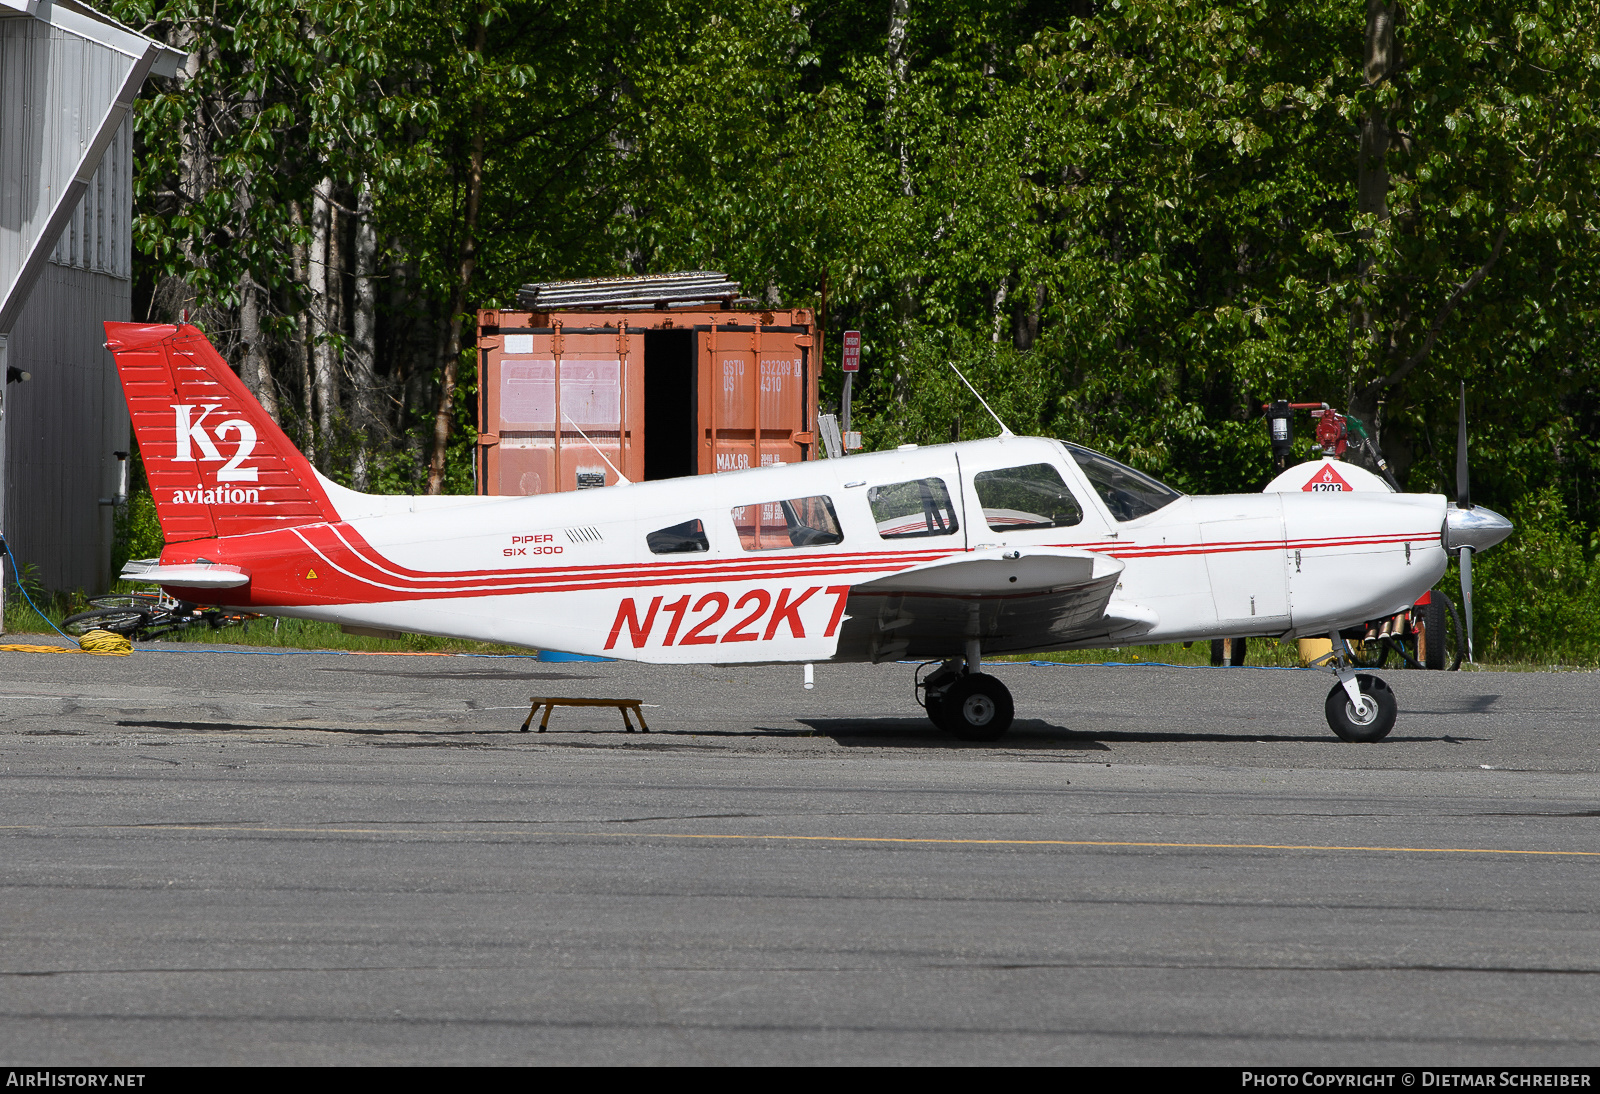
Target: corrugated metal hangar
point(68, 77)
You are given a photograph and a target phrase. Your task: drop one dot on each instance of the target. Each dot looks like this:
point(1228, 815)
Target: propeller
point(1464, 502)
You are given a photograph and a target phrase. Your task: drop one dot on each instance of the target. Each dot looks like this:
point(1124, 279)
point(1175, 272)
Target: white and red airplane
point(943, 553)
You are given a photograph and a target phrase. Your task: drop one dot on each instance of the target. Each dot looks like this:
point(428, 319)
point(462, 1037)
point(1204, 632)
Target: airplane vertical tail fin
point(218, 465)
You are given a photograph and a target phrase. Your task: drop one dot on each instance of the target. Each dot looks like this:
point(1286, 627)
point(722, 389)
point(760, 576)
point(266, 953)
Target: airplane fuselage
point(729, 568)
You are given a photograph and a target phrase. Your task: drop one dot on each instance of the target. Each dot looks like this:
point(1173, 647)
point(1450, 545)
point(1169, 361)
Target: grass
point(305, 634)
point(309, 634)
point(301, 634)
point(1259, 651)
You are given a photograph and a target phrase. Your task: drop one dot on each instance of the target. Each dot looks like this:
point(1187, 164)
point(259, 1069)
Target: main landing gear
point(1360, 707)
point(965, 703)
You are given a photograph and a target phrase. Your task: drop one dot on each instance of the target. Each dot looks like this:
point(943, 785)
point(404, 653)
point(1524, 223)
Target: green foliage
point(1537, 595)
point(138, 532)
point(1130, 224)
point(1037, 392)
point(21, 617)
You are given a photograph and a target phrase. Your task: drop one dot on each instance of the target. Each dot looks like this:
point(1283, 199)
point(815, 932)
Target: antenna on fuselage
point(622, 480)
point(1004, 432)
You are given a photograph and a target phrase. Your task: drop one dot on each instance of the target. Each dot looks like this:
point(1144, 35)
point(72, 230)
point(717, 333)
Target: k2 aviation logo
point(1326, 481)
point(192, 435)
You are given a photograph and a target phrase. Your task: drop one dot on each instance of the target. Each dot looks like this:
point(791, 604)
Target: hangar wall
point(63, 425)
point(68, 77)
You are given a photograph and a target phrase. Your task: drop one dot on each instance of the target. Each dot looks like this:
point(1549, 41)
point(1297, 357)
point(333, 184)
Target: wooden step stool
point(550, 702)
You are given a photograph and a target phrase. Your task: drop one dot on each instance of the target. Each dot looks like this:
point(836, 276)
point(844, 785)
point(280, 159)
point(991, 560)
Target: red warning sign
point(1326, 481)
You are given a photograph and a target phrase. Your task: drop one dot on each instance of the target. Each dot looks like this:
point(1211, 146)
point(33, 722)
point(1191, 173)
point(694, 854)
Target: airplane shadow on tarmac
point(1034, 733)
point(1025, 733)
point(911, 733)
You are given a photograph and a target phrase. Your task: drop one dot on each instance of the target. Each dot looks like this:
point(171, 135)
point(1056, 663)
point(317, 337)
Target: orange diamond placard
point(1326, 481)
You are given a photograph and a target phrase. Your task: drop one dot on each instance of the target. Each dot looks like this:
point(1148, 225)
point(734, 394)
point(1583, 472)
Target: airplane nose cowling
point(1477, 528)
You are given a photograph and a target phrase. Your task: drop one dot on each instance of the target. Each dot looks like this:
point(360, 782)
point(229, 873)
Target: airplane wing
point(1010, 600)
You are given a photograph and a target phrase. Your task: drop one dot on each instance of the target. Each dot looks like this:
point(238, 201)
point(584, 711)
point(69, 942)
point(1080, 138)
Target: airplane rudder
point(217, 463)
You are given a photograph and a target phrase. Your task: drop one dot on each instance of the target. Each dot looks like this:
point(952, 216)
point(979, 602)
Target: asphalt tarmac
point(231, 858)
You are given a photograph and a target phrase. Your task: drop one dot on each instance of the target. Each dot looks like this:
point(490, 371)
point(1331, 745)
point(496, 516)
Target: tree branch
point(1439, 320)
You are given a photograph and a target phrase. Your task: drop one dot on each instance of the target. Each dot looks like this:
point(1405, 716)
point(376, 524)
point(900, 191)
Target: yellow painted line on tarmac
point(913, 840)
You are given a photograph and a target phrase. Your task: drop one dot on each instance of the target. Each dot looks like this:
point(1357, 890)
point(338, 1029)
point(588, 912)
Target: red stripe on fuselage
point(349, 570)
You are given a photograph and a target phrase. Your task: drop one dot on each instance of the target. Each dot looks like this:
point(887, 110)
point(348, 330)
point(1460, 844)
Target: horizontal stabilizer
point(189, 576)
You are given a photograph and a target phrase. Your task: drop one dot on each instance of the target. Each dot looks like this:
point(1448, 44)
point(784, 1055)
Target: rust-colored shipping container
point(662, 392)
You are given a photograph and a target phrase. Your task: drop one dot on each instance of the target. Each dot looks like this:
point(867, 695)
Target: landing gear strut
point(1360, 707)
point(967, 704)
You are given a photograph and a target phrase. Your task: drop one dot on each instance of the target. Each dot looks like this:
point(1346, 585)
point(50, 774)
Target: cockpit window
point(1129, 494)
point(685, 538)
point(908, 510)
point(1019, 498)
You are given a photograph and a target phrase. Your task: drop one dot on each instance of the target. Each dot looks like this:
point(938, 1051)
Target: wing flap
point(1011, 601)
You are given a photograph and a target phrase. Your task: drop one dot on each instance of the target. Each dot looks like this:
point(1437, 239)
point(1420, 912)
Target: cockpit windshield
point(1129, 494)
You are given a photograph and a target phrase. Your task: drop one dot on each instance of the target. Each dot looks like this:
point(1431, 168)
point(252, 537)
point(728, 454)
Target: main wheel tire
point(123, 621)
point(976, 707)
point(934, 704)
point(1372, 724)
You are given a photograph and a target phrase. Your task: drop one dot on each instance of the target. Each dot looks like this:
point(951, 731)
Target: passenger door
point(1028, 499)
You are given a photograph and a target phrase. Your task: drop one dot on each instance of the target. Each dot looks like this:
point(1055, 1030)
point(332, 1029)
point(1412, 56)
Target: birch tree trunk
point(173, 295)
point(303, 334)
point(256, 368)
point(322, 310)
point(899, 24)
point(254, 364)
point(363, 330)
point(468, 261)
point(997, 307)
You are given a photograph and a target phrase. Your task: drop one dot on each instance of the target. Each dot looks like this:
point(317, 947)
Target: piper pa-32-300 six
point(943, 553)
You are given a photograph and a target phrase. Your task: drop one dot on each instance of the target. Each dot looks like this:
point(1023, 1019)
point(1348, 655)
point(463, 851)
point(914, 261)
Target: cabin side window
point(680, 539)
point(910, 510)
point(780, 525)
point(1019, 498)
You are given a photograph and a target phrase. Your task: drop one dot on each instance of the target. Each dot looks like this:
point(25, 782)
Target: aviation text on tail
point(218, 465)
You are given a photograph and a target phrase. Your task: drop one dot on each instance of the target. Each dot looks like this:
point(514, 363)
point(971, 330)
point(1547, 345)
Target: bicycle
point(149, 614)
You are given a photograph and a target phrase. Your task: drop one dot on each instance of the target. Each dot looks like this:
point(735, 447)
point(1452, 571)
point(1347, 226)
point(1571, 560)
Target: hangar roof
point(68, 77)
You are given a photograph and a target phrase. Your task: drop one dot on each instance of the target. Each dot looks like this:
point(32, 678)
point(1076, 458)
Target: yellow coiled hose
point(104, 643)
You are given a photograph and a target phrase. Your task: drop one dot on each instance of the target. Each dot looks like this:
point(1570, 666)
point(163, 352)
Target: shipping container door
point(753, 388)
point(558, 401)
point(782, 389)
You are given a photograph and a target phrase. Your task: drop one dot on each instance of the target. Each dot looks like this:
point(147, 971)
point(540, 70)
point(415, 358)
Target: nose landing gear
point(968, 705)
point(1360, 707)
point(1374, 719)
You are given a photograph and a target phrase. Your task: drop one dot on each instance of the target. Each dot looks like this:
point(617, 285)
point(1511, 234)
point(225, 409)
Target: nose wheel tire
point(977, 707)
point(1370, 723)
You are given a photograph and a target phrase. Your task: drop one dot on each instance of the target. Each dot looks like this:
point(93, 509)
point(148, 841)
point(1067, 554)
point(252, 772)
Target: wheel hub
point(1364, 715)
point(978, 710)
